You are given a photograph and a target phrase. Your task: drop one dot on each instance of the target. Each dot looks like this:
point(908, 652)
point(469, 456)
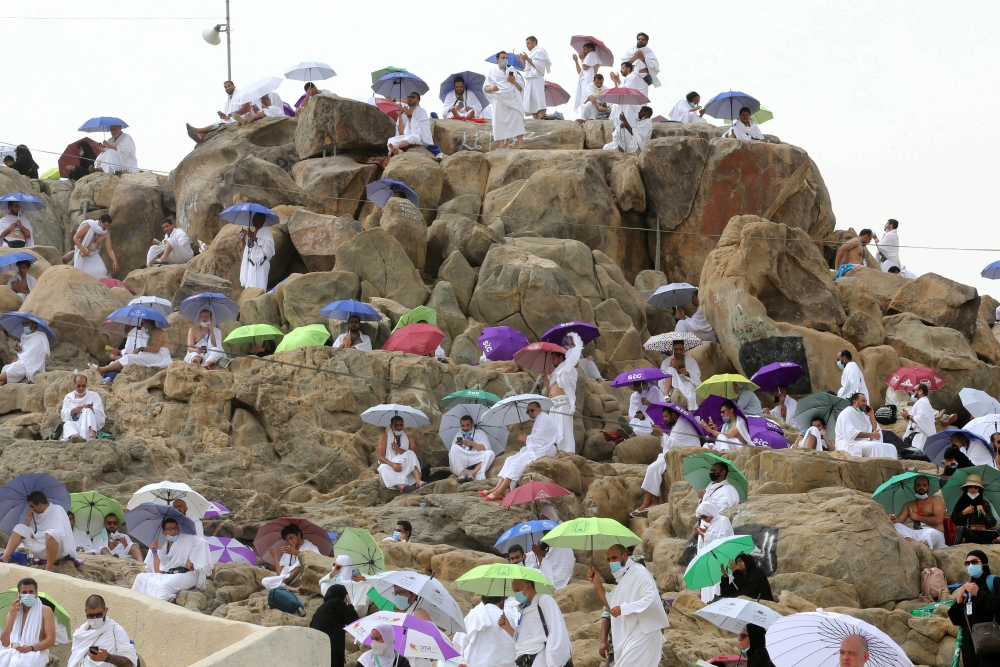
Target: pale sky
point(895, 101)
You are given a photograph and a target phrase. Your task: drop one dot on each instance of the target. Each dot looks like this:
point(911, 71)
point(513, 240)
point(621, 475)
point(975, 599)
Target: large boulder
point(300, 297)
point(317, 237)
point(74, 303)
point(198, 283)
point(883, 285)
point(402, 221)
point(137, 205)
point(457, 233)
point(334, 185)
point(940, 302)
point(379, 259)
point(456, 135)
point(422, 174)
point(331, 123)
point(465, 173)
point(162, 281)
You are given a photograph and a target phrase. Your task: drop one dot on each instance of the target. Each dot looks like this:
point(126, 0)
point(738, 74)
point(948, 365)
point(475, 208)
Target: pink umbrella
point(116, 327)
point(603, 52)
point(532, 492)
point(623, 96)
point(538, 356)
point(908, 377)
point(230, 550)
point(660, 119)
point(215, 509)
point(113, 282)
point(555, 95)
point(416, 338)
point(269, 535)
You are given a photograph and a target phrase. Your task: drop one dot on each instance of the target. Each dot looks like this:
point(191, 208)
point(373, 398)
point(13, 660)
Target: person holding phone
point(30, 629)
point(858, 433)
point(505, 89)
point(100, 640)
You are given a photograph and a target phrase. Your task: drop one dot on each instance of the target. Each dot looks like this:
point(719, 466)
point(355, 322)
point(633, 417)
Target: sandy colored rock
point(159, 281)
point(465, 173)
point(334, 123)
point(418, 169)
point(334, 185)
point(316, 237)
point(79, 317)
point(300, 297)
point(456, 135)
point(138, 208)
point(940, 302)
point(378, 258)
point(403, 221)
point(883, 285)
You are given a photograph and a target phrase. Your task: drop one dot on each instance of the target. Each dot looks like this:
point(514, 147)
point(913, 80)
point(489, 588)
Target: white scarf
point(28, 627)
point(111, 637)
point(92, 234)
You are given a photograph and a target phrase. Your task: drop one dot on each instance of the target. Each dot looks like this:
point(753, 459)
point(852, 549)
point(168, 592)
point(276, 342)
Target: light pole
point(212, 37)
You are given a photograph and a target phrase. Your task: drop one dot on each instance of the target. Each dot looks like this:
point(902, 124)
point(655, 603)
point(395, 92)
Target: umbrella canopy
point(908, 377)
point(734, 614)
point(558, 333)
point(812, 639)
point(396, 85)
point(256, 90)
point(90, 509)
point(419, 314)
point(134, 315)
point(365, 553)
point(70, 157)
point(704, 569)
point(898, 490)
point(26, 201)
point(414, 637)
point(823, 405)
point(697, 466)
point(952, 490)
point(762, 436)
point(253, 333)
point(379, 73)
point(102, 124)
point(114, 282)
point(655, 412)
point(418, 338)
point(728, 105)
point(162, 306)
point(451, 426)
point(711, 410)
point(223, 308)
point(628, 378)
point(992, 271)
point(976, 401)
point(538, 356)
point(665, 342)
point(984, 426)
point(388, 107)
point(382, 415)
point(555, 95)
point(346, 309)
point(14, 497)
point(673, 295)
point(495, 579)
point(524, 535)
point(473, 84)
point(310, 335)
point(511, 410)
point(62, 616)
point(434, 597)
point(591, 533)
point(761, 116)
point(242, 214)
point(8, 262)
point(381, 190)
point(50, 174)
point(469, 397)
point(780, 373)
point(144, 521)
point(269, 535)
point(310, 70)
point(623, 96)
point(215, 510)
point(722, 385)
point(533, 492)
point(512, 60)
point(116, 327)
point(167, 492)
point(935, 444)
point(230, 550)
point(501, 343)
point(13, 323)
point(603, 52)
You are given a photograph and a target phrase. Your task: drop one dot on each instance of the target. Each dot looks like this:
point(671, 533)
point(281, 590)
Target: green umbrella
point(253, 333)
point(898, 491)
point(761, 116)
point(359, 544)
point(311, 334)
point(704, 571)
point(722, 385)
point(469, 396)
point(90, 508)
point(590, 533)
point(8, 596)
point(418, 314)
point(381, 603)
point(379, 73)
point(952, 491)
point(823, 405)
point(495, 579)
point(697, 466)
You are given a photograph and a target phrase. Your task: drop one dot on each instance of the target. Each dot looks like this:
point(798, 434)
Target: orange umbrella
point(417, 338)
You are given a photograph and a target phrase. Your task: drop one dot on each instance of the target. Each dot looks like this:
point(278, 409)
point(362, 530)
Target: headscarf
point(756, 635)
point(335, 592)
point(345, 561)
point(982, 557)
point(707, 509)
point(749, 561)
point(388, 640)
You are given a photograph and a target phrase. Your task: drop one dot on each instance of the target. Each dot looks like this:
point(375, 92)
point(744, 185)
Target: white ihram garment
point(506, 104)
point(590, 110)
point(740, 131)
point(723, 443)
point(641, 426)
point(92, 264)
point(120, 551)
point(256, 262)
point(921, 423)
point(557, 565)
point(122, 159)
point(158, 359)
point(26, 631)
point(486, 643)
point(416, 129)
point(850, 424)
point(462, 458)
point(31, 285)
point(288, 563)
point(215, 350)
point(651, 66)
point(364, 346)
point(468, 100)
point(551, 651)
point(111, 637)
point(686, 384)
point(407, 459)
point(852, 381)
point(30, 358)
point(933, 538)
point(698, 325)
point(53, 521)
point(8, 220)
point(682, 434)
point(586, 78)
point(173, 555)
point(683, 112)
point(180, 243)
point(717, 528)
point(638, 630)
point(87, 419)
point(635, 404)
point(563, 407)
point(534, 80)
point(721, 494)
point(541, 443)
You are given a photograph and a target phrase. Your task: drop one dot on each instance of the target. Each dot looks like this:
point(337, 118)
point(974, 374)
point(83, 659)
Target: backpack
point(932, 582)
point(284, 600)
point(886, 415)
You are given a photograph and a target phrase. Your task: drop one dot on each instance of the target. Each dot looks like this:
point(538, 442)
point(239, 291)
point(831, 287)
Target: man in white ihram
point(505, 89)
point(744, 128)
point(119, 153)
point(684, 375)
point(536, 66)
point(859, 434)
point(487, 642)
point(587, 64)
point(29, 630)
point(225, 116)
point(679, 434)
point(100, 640)
point(470, 454)
point(689, 110)
point(175, 248)
point(32, 352)
point(643, 393)
point(888, 250)
point(920, 419)
point(288, 567)
point(46, 533)
point(624, 114)
point(413, 128)
point(561, 386)
point(542, 629)
point(182, 562)
point(87, 243)
point(353, 338)
point(637, 615)
point(642, 58)
point(258, 249)
point(556, 563)
point(460, 103)
point(852, 380)
point(82, 412)
point(539, 444)
point(697, 324)
point(631, 136)
point(926, 511)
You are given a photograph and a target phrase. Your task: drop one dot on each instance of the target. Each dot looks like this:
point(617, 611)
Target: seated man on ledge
point(46, 533)
point(116, 544)
point(413, 127)
point(182, 563)
point(100, 640)
point(288, 569)
point(928, 515)
point(29, 631)
point(82, 412)
point(859, 434)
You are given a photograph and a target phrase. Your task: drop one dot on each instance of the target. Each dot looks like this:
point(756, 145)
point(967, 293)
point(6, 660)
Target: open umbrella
point(558, 333)
point(532, 492)
point(733, 614)
point(162, 306)
point(215, 510)
point(62, 616)
point(603, 52)
point(728, 105)
point(414, 637)
point(311, 335)
point(761, 436)
point(381, 190)
point(346, 309)
point(134, 315)
point(711, 410)
point(623, 96)
point(144, 521)
point(665, 342)
point(269, 535)
point(242, 214)
point(417, 338)
point(379, 73)
point(908, 377)
point(473, 84)
point(167, 492)
point(525, 535)
point(310, 71)
point(256, 89)
point(253, 333)
point(976, 401)
point(469, 397)
point(13, 323)
point(823, 405)
point(992, 271)
point(418, 314)
point(365, 553)
point(935, 445)
point(898, 490)
point(761, 116)
point(555, 95)
point(382, 415)
point(230, 550)
point(512, 60)
point(783, 373)
point(538, 356)
point(655, 412)
point(14, 497)
point(389, 107)
point(9, 262)
point(396, 85)
point(591, 534)
point(27, 202)
point(111, 283)
point(984, 426)
point(70, 156)
point(433, 596)
point(501, 343)
point(673, 295)
point(451, 426)
point(697, 466)
point(511, 410)
point(703, 571)
point(90, 509)
point(722, 385)
point(812, 639)
point(628, 378)
point(495, 579)
point(102, 124)
point(952, 490)
point(223, 308)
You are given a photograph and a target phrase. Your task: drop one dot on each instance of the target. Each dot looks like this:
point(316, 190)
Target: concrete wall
point(166, 635)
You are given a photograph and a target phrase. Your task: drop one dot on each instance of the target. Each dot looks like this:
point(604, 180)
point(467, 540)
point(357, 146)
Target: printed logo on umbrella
point(525, 529)
point(541, 495)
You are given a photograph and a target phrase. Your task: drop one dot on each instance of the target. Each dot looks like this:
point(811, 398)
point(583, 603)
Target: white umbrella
point(431, 593)
point(978, 402)
point(672, 295)
point(382, 415)
point(162, 306)
point(812, 639)
point(512, 410)
point(451, 425)
point(984, 426)
point(165, 493)
point(734, 614)
point(310, 71)
point(256, 90)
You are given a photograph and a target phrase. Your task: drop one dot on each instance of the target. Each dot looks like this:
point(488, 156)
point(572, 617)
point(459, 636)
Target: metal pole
point(229, 53)
point(656, 260)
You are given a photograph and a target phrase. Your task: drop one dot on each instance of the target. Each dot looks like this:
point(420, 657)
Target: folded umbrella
point(469, 397)
point(705, 570)
point(230, 550)
point(603, 52)
point(134, 315)
point(538, 356)
point(555, 95)
point(898, 490)
point(532, 492)
point(382, 415)
point(310, 71)
point(414, 637)
point(145, 520)
point(269, 535)
point(780, 373)
point(451, 426)
point(511, 410)
point(91, 508)
point(908, 377)
point(722, 385)
point(655, 412)
point(665, 342)
point(311, 335)
point(27, 202)
point(525, 535)
point(733, 614)
point(396, 85)
point(433, 596)
point(114, 282)
point(673, 295)
point(162, 306)
point(473, 84)
point(223, 308)
point(102, 124)
point(242, 214)
point(623, 96)
point(346, 309)
point(417, 338)
point(813, 639)
point(418, 314)
point(253, 333)
point(823, 405)
point(558, 333)
point(728, 105)
point(13, 323)
point(379, 73)
point(14, 497)
point(256, 90)
point(628, 378)
point(512, 60)
point(496, 579)
point(697, 467)
point(167, 492)
point(978, 402)
point(364, 552)
point(381, 190)
point(935, 445)
point(501, 343)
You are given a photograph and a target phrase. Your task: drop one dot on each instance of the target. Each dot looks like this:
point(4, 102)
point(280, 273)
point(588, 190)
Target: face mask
point(467, 434)
point(27, 330)
point(503, 62)
point(714, 476)
point(692, 104)
point(396, 535)
point(859, 409)
point(95, 623)
point(972, 494)
point(27, 599)
point(975, 571)
point(921, 496)
point(840, 365)
point(744, 650)
point(520, 597)
point(173, 538)
point(397, 433)
point(205, 324)
point(356, 572)
point(615, 567)
point(401, 602)
point(80, 153)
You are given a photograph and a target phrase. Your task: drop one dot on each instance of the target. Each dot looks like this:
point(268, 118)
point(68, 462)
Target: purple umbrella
point(711, 408)
point(500, 343)
point(587, 332)
point(764, 435)
point(14, 497)
point(381, 190)
point(785, 373)
point(763, 422)
point(215, 509)
point(627, 378)
point(655, 412)
point(230, 550)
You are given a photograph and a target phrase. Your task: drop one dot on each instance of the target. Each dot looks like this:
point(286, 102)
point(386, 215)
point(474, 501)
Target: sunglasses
point(974, 561)
point(744, 635)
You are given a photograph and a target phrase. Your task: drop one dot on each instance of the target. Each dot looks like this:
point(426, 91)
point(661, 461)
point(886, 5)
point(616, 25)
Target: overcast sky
point(895, 101)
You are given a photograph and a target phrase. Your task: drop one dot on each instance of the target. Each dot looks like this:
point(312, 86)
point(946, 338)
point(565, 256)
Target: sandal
point(482, 492)
point(636, 513)
point(490, 498)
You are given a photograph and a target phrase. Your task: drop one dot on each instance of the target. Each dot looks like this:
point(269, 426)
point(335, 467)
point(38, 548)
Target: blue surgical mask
point(840, 365)
point(503, 62)
point(396, 535)
point(27, 599)
point(693, 105)
point(975, 571)
point(401, 601)
point(467, 434)
point(744, 650)
point(104, 533)
point(615, 567)
point(520, 597)
point(173, 538)
point(27, 330)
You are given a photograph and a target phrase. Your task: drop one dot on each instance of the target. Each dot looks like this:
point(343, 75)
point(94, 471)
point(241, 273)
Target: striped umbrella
point(230, 550)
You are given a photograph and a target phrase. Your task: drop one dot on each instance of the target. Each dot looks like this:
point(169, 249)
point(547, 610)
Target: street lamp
point(212, 37)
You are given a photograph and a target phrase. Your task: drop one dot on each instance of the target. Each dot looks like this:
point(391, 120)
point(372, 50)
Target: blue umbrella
point(342, 310)
point(27, 202)
point(102, 124)
point(12, 322)
point(7, 261)
point(936, 444)
point(399, 84)
point(240, 214)
point(223, 308)
point(473, 83)
point(14, 497)
point(145, 520)
point(524, 534)
point(381, 190)
point(133, 315)
point(992, 271)
point(512, 60)
point(728, 105)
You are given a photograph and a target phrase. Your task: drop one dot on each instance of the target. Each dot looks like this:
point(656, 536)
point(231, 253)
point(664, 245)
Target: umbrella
point(116, 328)
point(908, 377)
point(90, 508)
point(310, 71)
point(590, 534)
point(976, 401)
point(558, 333)
point(162, 306)
point(469, 397)
point(935, 444)
point(14, 497)
point(256, 90)
point(673, 295)
point(555, 95)
point(812, 639)
point(761, 436)
point(230, 550)
point(215, 510)
point(665, 342)
point(623, 96)
point(761, 116)
point(223, 308)
point(703, 571)
point(711, 410)
point(628, 378)
point(62, 616)
point(495, 579)
point(134, 315)
point(382, 415)
point(381, 190)
point(396, 85)
point(500, 343)
point(27, 202)
point(898, 490)
point(359, 544)
point(241, 214)
point(418, 314)
point(451, 426)
point(538, 356)
point(952, 490)
point(50, 174)
point(511, 410)
point(722, 385)
point(418, 338)
point(784, 373)
point(984, 426)
point(603, 52)
point(388, 107)
point(8, 262)
point(13, 323)
point(145, 519)
point(734, 614)
point(524, 535)
point(728, 105)
point(414, 637)
point(512, 60)
point(345, 309)
point(379, 73)
point(102, 124)
point(311, 335)
point(432, 596)
point(253, 333)
point(992, 271)
point(660, 119)
point(823, 405)
point(655, 412)
point(532, 492)
point(168, 492)
point(114, 282)
point(697, 466)
point(473, 84)
point(70, 156)
point(269, 535)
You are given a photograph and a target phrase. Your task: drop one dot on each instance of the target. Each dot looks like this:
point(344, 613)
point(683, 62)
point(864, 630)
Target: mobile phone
point(95, 649)
point(868, 409)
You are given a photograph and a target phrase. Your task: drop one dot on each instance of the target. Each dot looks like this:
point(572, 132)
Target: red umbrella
point(111, 282)
point(908, 377)
point(555, 95)
point(417, 338)
point(533, 491)
point(269, 535)
point(116, 327)
point(538, 356)
point(389, 107)
point(660, 119)
point(623, 96)
point(70, 157)
point(603, 52)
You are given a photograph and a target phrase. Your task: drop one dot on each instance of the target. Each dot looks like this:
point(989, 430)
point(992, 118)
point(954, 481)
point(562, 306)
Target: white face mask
point(921, 496)
point(972, 494)
point(205, 324)
point(96, 623)
point(397, 433)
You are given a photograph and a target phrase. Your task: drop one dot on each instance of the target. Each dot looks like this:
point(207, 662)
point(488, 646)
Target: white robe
point(461, 458)
point(933, 538)
point(122, 551)
point(682, 434)
point(26, 631)
point(631, 142)
point(407, 460)
point(137, 337)
point(717, 528)
point(683, 112)
point(30, 358)
point(257, 260)
point(214, 351)
point(416, 129)
point(724, 443)
point(740, 131)
point(585, 79)
point(180, 243)
point(534, 80)
point(86, 419)
point(721, 494)
point(365, 345)
point(469, 100)
point(92, 264)
point(849, 424)
point(111, 637)
point(651, 65)
point(638, 630)
point(790, 405)
point(159, 359)
point(486, 643)
point(541, 443)
point(888, 250)
point(686, 384)
point(563, 407)
point(172, 555)
point(8, 220)
point(590, 110)
point(635, 404)
point(31, 285)
point(698, 325)
point(506, 105)
point(921, 424)
point(288, 563)
point(122, 159)
point(557, 565)
point(551, 651)
point(53, 521)
point(852, 381)
point(821, 444)
point(641, 426)
point(82, 539)
point(276, 109)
